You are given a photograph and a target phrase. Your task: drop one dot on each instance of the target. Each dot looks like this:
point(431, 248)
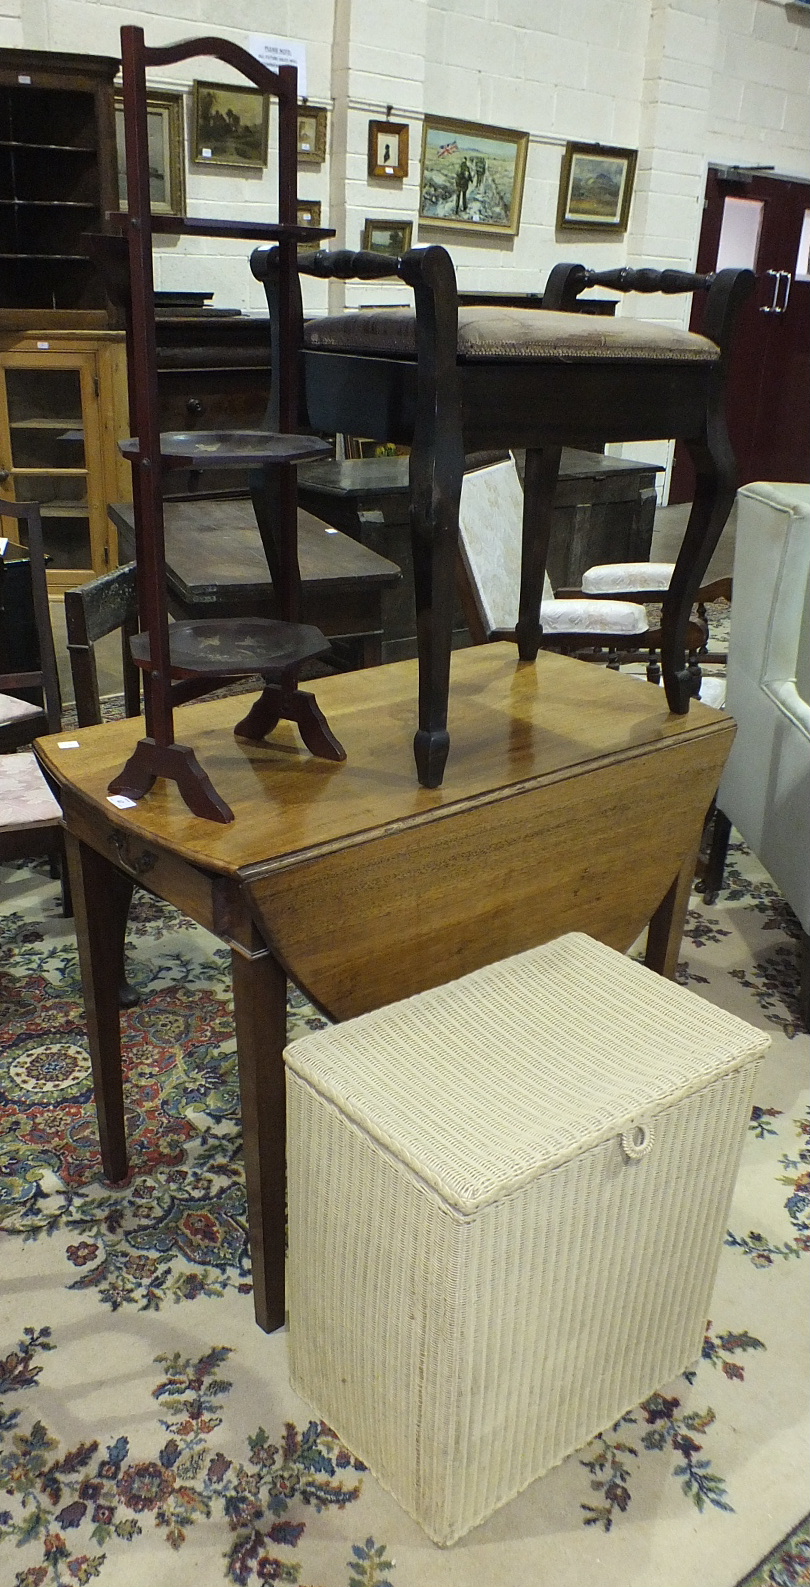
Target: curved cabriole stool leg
point(540, 484)
point(434, 574)
point(715, 489)
point(435, 475)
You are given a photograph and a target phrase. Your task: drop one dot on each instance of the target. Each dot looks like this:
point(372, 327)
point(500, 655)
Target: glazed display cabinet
point(63, 409)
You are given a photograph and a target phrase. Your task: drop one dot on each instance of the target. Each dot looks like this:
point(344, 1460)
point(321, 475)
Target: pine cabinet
point(63, 409)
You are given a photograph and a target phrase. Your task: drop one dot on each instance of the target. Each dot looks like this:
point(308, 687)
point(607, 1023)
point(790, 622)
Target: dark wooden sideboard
point(213, 374)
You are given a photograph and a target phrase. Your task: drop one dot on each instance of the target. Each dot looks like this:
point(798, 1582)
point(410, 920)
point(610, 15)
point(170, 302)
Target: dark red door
point(768, 393)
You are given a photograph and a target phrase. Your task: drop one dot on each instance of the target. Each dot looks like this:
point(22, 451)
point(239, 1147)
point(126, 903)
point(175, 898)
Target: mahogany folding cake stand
point(192, 659)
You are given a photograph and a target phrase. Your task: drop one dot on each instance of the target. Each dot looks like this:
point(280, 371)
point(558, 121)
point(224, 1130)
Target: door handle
point(788, 279)
point(770, 308)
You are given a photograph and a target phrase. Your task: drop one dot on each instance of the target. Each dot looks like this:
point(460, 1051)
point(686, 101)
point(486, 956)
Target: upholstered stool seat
point(505, 333)
point(507, 1199)
point(447, 380)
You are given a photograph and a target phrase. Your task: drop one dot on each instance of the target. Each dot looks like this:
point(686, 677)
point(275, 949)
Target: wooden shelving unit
point(57, 176)
point(63, 409)
point(62, 371)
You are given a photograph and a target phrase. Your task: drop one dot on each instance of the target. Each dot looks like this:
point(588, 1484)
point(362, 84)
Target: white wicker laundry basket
point(506, 1203)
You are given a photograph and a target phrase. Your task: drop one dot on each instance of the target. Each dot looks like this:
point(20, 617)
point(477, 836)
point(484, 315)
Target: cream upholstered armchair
point(490, 516)
point(765, 790)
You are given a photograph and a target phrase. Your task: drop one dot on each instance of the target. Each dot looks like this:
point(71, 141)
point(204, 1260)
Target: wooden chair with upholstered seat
point(490, 518)
point(30, 704)
point(445, 380)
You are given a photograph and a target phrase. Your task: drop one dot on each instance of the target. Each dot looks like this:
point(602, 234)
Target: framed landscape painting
point(230, 125)
point(596, 186)
point(472, 176)
point(167, 152)
point(387, 236)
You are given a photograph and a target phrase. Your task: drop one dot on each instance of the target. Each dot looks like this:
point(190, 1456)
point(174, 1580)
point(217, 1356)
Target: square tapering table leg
point(101, 899)
point(260, 1016)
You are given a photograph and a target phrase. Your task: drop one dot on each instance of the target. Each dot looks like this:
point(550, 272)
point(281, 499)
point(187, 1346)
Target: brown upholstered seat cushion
point(505, 333)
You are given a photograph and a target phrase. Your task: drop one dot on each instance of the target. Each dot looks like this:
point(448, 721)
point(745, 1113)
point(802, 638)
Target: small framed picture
point(230, 125)
point(388, 149)
point(596, 186)
point(308, 213)
point(167, 152)
point(311, 135)
point(387, 236)
point(472, 176)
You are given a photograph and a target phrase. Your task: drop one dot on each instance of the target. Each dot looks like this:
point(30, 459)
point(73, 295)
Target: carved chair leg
point(540, 484)
point(715, 489)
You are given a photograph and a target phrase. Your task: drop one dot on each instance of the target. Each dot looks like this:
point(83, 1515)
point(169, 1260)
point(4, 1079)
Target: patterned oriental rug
point(147, 1430)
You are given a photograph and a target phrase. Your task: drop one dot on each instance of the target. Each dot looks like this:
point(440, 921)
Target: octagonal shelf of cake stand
point(230, 448)
point(233, 646)
point(236, 646)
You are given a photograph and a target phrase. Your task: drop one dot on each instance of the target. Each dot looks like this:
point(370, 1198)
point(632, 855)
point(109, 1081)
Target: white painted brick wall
point(684, 82)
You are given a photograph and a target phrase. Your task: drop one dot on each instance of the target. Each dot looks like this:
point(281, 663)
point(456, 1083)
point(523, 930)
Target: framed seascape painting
point(387, 236)
point(230, 126)
point(167, 153)
point(472, 176)
point(596, 186)
point(388, 149)
point(311, 135)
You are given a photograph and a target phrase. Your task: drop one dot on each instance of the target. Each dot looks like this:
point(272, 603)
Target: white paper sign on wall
point(274, 52)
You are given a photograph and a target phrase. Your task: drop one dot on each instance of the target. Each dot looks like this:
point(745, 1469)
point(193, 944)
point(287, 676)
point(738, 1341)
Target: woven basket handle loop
point(638, 1140)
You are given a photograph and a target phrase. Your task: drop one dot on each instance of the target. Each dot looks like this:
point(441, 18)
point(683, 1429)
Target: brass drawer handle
point(139, 864)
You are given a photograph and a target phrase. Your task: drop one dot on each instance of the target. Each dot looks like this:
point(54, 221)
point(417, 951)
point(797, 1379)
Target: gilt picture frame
point(165, 124)
point(388, 150)
point(308, 213)
point(311, 134)
point(391, 237)
point(230, 126)
point(596, 188)
point(472, 176)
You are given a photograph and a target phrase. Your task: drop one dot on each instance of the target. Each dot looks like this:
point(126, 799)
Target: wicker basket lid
point(480, 1085)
